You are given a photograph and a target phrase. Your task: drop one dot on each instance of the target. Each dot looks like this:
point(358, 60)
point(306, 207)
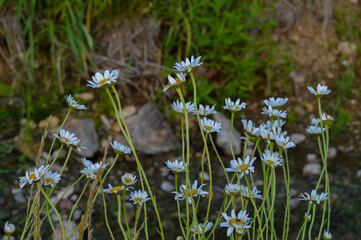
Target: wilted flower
point(178, 107)
point(175, 82)
point(202, 228)
point(139, 197)
point(327, 120)
point(98, 80)
point(175, 166)
point(188, 65)
point(72, 103)
point(210, 126)
point(193, 192)
point(327, 235)
point(321, 90)
point(238, 223)
point(9, 228)
point(307, 216)
point(128, 179)
point(206, 110)
point(91, 169)
point(243, 167)
point(234, 106)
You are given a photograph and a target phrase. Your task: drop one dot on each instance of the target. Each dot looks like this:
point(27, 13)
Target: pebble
point(167, 186)
point(5, 237)
point(293, 192)
point(106, 122)
point(77, 214)
point(312, 158)
point(258, 183)
point(67, 195)
point(297, 138)
point(311, 169)
point(332, 153)
point(163, 171)
point(19, 197)
point(85, 96)
point(205, 176)
point(294, 202)
point(53, 122)
point(129, 111)
point(358, 174)
point(71, 228)
point(346, 48)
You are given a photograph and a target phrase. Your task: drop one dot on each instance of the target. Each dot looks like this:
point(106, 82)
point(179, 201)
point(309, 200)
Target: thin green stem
point(119, 217)
point(231, 139)
point(136, 222)
point(105, 209)
point(125, 216)
point(312, 221)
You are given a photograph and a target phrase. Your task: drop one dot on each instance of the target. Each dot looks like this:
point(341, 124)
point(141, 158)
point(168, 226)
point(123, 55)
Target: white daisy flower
point(128, 179)
point(119, 148)
point(51, 178)
point(193, 192)
point(234, 106)
point(178, 107)
point(66, 137)
point(254, 193)
point(188, 65)
point(176, 167)
point(271, 159)
point(175, 82)
point(283, 142)
point(271, 134)
point(139, 197)
point(321, 90)
point(202, 228)
point(91, 169)
point(274, 113)
point(243, 167)
point(9, 228)
point(275, 102)
point(79, 146)
point(210, 126)
point(327, 235)
point(250, 128)
point(232, 189)
point(277, 124)
point(313, 197)
point(327, 120)
point(114, 190)
point(72, 103)
point(238, 223)
point(206, 110)
point(314, 130)
point(90, 175)
point(33, 176)
point(98, 80)
point(308, 217)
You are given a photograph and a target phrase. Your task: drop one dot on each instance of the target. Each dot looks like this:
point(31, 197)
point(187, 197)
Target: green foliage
point(232, 35)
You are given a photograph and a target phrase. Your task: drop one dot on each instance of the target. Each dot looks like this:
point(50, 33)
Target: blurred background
point(251, 50)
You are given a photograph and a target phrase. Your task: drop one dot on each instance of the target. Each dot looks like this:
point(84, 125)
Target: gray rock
point(129, 111)
point(163, 171)
point(294, 202)
point(311, 169)
point(150, 133)
point(297, 138)
point(167, 186)
point(332, 153)
point(312, 158)
point(106, 122)
point(346, 48)
point(358, 174)
point(223, 137)
point(84, 129)
point(205, 176)
point(19, 197)
point(77, 214)
point(5, 237)
point(293, 192)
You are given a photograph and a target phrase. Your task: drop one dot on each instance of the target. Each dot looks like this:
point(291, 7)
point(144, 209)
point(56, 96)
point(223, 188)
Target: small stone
point(163, 171)
point(223, 137)
point(258, 183)
point(167, 186)
point(74, 197)
point(19, 197)
point(332, 153)
point(293, 192)
point(312, 158)
point(297, 138)
point(311, 169)
point(77, 214)
point(205, 176)
point(129, 111)
point(297, 77)
point(299, 111)
point(72, 227)
point(346, 48)
point(294, 202)
point(62, 154)
point(67, 195)
point(5, 237)
point(249, 152)
point(106, 122)
point(358, 174)
point(56, 167)
point(85, 96)
point(53, 122)
point(65, 204)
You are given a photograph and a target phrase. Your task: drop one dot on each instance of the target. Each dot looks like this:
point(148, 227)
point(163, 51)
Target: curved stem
point(105, 209)
point(119, 217)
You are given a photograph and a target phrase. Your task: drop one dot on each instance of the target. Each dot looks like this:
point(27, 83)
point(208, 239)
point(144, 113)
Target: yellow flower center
point(205, 112)
point(138, 200)
point(208, 128)
point(243, 167)
point(49, 181)
point(284, 144)
point(269, 136)
point(32, 176)
point(128, 180)
point(270, 162)
point(236, 221)
point(237, 108)
point(117, 188)
point(66, 140)
point(103, 81)
point(191, 192)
